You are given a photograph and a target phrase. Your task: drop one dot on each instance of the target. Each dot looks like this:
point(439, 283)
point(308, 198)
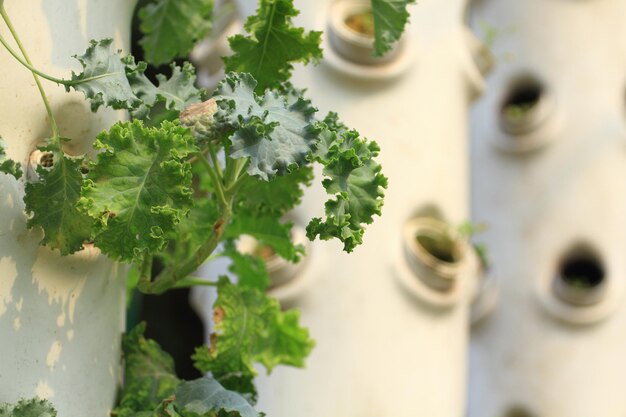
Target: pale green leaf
point(276, 135)
point(251, 328)
point(52, 203)
point(171, 27)
point(103, 79)
point(272, 45)
point(390, 18)
point(176, 92)
point(205, 397)
point(139, 188)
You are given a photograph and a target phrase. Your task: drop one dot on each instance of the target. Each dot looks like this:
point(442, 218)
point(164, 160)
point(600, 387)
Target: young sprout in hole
point(362, 23)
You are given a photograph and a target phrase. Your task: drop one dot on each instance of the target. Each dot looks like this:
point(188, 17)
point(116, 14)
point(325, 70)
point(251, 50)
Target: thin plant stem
point(29, 65)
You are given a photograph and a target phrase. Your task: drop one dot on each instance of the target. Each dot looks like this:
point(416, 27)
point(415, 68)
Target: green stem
point(28, 64)
point(194, 281)
point(216, 163)
point(233, 188)
point(145, 270)
point(215, 179)
point(170, 276)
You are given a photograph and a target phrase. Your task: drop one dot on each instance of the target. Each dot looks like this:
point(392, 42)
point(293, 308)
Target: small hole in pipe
point(580, 278)
point(439, 245)
point(582, 272)
point(46, 160)
point(520, 111)
point(518, 411)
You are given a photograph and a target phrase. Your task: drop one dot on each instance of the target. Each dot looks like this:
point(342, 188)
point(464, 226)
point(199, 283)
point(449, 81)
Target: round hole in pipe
point(580, 278)
point(434, 252)
point(280, 271)
point(524, 106)
point(351, 33)
point(518, 411)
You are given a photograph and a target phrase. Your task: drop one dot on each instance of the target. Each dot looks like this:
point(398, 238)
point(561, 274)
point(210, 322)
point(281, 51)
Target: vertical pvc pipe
point(547, 166)
point(387, 343)
point(61, 318)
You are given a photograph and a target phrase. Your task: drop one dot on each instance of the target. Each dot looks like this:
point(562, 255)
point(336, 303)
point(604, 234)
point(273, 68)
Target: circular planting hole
point(361, 23)
point(264, 252)
point(46, 160)
point(518, 411)
point(582, 273)
point(580, 278)
point(439, 246)
point(520, 111)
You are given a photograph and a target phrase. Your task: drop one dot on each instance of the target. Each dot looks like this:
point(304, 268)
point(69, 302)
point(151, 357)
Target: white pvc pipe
point(544, 191)
point(61, 318)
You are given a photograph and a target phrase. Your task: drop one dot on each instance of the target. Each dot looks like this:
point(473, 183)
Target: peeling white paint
point(8, 273)
point(54, 354)
point(49, 275)
point(17, 324)
point(70, 334)
point(61, 319)
point(19, 304)
point(44, 390)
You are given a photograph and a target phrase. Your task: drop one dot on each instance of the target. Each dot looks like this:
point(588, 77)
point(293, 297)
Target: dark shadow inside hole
point(582, 272)
point(441, 247)
point(522, 98)
point(518, 412)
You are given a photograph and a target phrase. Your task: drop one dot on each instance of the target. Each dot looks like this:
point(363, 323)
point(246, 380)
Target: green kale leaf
point(52, 202)
point(149, 376)
point(250, 327)
point(34, 407)
point(353, 177)
point(140, 187)
point(250, 269)
point(103, 79)
point(205, 397)
point(390, 18)
point(171, 27)
point(272, 45)
point(266, 229)
point(278, 196)
point(177, 92)
point(275, 134)
point(9, 166)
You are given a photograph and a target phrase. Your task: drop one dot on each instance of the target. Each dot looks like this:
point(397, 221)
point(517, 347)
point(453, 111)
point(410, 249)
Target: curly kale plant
point(190, 174)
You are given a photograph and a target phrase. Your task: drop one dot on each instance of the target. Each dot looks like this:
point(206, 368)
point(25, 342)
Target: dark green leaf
point(139, 188)
point(9, 166)
point(52, 203)
point(266, 229)
point(149, 376)
point(250, 269)
point(34, 407)
point(390, 18)
point(171, 27)
point(272, 45)
point(276, 196)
